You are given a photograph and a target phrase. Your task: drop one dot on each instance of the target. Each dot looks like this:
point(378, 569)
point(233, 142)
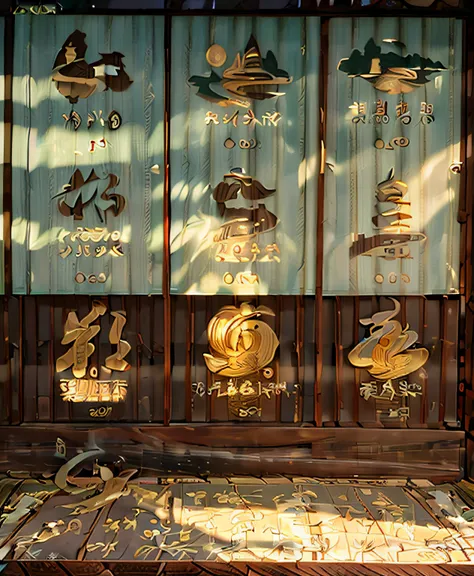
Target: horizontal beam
point(204, 450)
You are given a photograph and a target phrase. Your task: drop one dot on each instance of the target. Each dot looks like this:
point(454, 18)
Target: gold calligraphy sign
point(79, 334)
point(389, 352)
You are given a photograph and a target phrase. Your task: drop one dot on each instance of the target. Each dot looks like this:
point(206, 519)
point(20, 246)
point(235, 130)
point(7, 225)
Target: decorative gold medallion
point(216, 55)
point(240, 343)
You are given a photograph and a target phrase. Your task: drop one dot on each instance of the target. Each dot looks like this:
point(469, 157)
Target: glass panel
point(87, 151)
point(393, 156)
point(244, 155)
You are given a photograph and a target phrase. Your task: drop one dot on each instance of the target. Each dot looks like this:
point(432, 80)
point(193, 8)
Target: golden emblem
point(388, 352)
point(240, 343)
point(216, 55)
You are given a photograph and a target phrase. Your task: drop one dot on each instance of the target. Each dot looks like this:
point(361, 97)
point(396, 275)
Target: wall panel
point(225, 124)
point(88, 153)
point(392, 178)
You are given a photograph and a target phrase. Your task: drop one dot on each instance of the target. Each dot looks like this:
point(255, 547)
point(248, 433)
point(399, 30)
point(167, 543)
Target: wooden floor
point(220, 569)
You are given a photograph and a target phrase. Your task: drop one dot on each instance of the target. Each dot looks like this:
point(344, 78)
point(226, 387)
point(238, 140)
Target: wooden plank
point(432, 341)
point(328, 375)
point(157, 352)
point(30, 371)
point(44, 355)
point(349, 392)
point(5, 384)
point(16, 384)
point(309, 359)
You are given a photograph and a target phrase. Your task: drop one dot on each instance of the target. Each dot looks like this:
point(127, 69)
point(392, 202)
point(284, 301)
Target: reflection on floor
point(124, 517)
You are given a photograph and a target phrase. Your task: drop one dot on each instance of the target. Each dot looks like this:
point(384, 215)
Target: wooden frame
point(344, 407)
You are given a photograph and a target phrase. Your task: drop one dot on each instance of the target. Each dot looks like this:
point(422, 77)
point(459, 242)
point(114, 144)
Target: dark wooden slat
point(328, 374)
point(188, 391)
point(5, 383)
point(179, 313)
point(157, 352)
point(432, 340)
point(339, 359)
point(299, 351)
point(31, 383)
point(450, 360)
point(199, 371)
point(349, 390)
point(309, 346)
point(15, 319)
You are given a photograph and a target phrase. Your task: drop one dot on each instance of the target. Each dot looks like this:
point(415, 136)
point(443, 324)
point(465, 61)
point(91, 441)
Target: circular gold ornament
point(80, 278)
point(268, 372)
point(379, 278)
point(228, 278)
point(216, 55)
point(379, 144)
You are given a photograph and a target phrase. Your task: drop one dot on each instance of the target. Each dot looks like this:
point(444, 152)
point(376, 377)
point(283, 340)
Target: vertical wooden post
point(323, 70)
point(466, 313)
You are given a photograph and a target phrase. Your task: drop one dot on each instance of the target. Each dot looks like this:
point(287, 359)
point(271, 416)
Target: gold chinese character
point(116, 361)
point(74, 118)
point(388, 387)
point(246, 389)
point(381, 107)
point(250, 119)
point(80, 334)
point(271, 253)
point(272, 118)
point(234, 118)
point(368, 390)
point(359, 109)
point(402, 108)
point(64, 253)
point(211, 117)
point(400, 412)
point(117, 250)
point(247, 278)
point(100, 251)
point(426, 108)
point(381, 112)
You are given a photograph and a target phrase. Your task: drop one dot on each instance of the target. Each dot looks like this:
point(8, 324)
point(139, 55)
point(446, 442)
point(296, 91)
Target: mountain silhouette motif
point(75, 78)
